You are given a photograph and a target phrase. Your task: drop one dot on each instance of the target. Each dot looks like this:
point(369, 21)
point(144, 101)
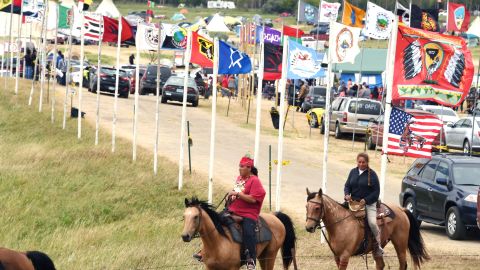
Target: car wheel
point(370, 144)
point(466, 147)
point(322, 127)
point(164, 100)
point(124, 95)
point(411, 206)
point(454, 225)
point(313, 122)
point(195, 103)
point(338, 132)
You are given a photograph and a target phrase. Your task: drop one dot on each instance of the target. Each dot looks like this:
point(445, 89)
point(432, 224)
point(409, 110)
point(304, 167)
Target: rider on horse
point(362, 185)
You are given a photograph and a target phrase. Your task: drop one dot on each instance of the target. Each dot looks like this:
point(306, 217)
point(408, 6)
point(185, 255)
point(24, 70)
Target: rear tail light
point(345, 118)
point(191, 91)
point(125, 79)
point(169, 88)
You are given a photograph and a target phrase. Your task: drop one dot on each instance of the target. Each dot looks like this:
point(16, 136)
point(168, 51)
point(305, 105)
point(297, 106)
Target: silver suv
point(345, 116)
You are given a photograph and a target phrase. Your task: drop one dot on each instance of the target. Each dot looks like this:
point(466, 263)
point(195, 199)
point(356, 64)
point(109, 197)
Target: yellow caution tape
point(284, 163)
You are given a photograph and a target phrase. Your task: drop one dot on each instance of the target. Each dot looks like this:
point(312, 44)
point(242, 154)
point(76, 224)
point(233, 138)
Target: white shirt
point(360, 171)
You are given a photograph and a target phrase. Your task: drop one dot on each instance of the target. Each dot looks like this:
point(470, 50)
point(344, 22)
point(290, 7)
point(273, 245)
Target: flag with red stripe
point(412, 136)
point(93, 27)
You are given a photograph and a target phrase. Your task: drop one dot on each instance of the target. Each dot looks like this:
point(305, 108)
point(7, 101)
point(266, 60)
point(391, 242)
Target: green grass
point(106, 59)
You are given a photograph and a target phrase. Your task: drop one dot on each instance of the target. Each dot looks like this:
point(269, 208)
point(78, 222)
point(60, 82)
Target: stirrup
point(250, 264)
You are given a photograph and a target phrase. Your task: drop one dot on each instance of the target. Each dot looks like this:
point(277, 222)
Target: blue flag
point(303, 62)
point(232, 61)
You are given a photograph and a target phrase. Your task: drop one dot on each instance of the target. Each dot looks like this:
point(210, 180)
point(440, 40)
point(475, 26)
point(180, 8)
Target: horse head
point(192, 219)
point(315, 210)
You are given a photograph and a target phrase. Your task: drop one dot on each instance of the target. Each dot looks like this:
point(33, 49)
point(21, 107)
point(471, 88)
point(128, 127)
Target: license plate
point(112, 88)
point(363, 123)
point(180, 90)
point(168, 94)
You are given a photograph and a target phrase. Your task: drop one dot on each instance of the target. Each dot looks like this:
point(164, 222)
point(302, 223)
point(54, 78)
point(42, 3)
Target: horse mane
point(40, 260)
point(210, 210)
point(314, 194)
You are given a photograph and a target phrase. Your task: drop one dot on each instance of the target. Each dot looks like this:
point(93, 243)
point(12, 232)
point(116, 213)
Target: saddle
point(233, 223)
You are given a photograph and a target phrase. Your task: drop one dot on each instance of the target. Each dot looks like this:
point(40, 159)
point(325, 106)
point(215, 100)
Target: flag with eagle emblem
point(202, 51)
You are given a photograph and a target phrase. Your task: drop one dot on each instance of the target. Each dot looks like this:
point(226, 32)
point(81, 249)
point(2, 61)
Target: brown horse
point(346, 232)
point(220, 252)
point(30, 260)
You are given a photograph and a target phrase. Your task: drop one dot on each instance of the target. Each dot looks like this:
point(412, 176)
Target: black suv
point(148, 82)
point(443, 191)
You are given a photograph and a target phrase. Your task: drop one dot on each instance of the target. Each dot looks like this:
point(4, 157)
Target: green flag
point(65, 17)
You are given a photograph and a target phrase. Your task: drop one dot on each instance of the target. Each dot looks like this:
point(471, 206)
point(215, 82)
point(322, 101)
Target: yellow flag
point(4, 4)
point(352, 15)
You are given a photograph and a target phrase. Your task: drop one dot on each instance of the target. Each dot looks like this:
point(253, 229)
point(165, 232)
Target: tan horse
point(30, 260)
point(346, 232)
point(220, 252)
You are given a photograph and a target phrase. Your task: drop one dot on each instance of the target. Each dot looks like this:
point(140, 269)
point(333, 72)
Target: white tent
point(475, 28)
point(217, 24)
point(108, 8)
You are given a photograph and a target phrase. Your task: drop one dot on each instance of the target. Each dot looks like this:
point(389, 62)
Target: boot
point(198, 256)
point(250, 264)
point(377, 248)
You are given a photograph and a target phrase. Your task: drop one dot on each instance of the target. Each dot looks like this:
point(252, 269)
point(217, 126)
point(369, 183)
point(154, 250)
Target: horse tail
point(416, 246)
point(288, 246)
point(40, 260)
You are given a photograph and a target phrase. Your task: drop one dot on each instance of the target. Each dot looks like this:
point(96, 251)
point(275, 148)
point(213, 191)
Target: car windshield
point(179, 81)
point(438, 111)
point(113, 72)
point(466, 174)
point(365, 107)
point(319, 91)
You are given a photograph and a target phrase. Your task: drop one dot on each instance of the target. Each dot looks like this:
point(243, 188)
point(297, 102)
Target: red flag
point(272, 61)
point(292, 32)
point(458, 17)
point(202, 51)
point(110, 30)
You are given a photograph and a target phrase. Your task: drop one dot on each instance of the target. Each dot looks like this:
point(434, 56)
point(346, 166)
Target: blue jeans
point(249, 237)
point(28, 72)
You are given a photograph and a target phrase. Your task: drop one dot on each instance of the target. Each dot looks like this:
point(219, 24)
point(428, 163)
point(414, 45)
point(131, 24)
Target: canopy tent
point(229, 20)
point(475, 27)
point(217, 24)
point(178, 17)
point(108, 8)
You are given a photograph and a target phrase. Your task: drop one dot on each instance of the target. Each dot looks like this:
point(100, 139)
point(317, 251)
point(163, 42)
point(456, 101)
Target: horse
point(220, 252)
point(30, 260)
point(346, 233)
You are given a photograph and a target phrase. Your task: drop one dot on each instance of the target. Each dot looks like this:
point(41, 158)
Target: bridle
point(322, 215)
point(196, 233)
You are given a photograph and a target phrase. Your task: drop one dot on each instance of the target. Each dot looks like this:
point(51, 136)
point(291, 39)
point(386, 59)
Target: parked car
point(320, 29)
point(107, 81)
point(315, 98)
point(173, 90)
point(130, 69)
point(446, 114)
point(459, 134)
point(148, 83)
point(443, 191)
point(346, 116)
point(376, 131)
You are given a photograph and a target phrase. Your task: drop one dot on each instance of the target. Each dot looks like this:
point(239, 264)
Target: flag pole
point(10, 40)
point(54, 64)
point(36, 63)
point(157, 102)
point(388, 106)
point(282, 90)
point(188, 53)
point(5, 51)
point(42, 57)
point(99, 63)
point(117, 75)
point(258, 119)
point(67, 73)
point(135, 106)
point(80, 84)
point(19, 48)
point(214, 119)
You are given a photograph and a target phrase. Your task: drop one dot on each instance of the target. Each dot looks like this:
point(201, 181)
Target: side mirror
point(442, 181)
point(450, 125)
point(373, 121)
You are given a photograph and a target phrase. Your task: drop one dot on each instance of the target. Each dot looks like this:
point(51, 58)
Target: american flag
point(412, 136)
point(93, 26)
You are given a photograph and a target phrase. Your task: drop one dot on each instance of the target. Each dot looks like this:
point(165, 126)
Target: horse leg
point(337, 261)
point(401, 249)
point(343, 261)
point(379, 263)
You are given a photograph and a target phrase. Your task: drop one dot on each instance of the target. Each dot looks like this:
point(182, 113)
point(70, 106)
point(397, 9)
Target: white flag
point(379, 22)
point(146, 38)
point(329, 11)
point(403, 14)
point(343, 43)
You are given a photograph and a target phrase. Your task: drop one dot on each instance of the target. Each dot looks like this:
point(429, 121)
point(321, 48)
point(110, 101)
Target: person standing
point(29, 64)
point(303, 93)
point(131, 59)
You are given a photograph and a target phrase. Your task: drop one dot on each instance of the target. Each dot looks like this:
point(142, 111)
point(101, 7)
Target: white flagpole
point(67, 74)
point(211, 162)
point(5, 51)
point(157, 102)
point(388, 105)
point(10, 40)
point(42, 57)
point(99, 63)
point(282, 90)
point(117, 75)
point(188, 53)
point(135, 107)
point(80, 84)
point(19, 48)
point(259, 102)
point(54, 64)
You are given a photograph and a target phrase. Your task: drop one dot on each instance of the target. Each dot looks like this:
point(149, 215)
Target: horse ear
point(320, 192)
point(187, 203)
point(308, 192)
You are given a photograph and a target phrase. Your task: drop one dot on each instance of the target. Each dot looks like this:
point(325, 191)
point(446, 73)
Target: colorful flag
point(412, 136)
point(431, 66)
point(426, 19)
point(292, 32)
point(232, 61)
point(272, 61)
point(403, 14)
point(84, 5)
point(307, 13)
point(458, 17)
point(379, 22)
point(93, 26)
point(33, 10)
point(329, 11)
point(110, 30)
point(174, 37)
point(303, 62)
point(202, 51)
point(146, 37)
point(65, 17)
point(269, 35)
point(343, 43)
point(5, 6)
point(352, 15)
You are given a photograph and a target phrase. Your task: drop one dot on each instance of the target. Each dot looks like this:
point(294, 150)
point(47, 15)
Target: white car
point(446, 114)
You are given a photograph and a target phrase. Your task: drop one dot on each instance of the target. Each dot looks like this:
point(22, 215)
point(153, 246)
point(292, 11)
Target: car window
point(442, 171)
point(459, 123)
point(343, 104)
point(466, 174)
point(417, 166)
point(319, 91)
point(428, 171)
point(336, 104)
point(365, 107)
point(439, 111)
point(467, 123)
